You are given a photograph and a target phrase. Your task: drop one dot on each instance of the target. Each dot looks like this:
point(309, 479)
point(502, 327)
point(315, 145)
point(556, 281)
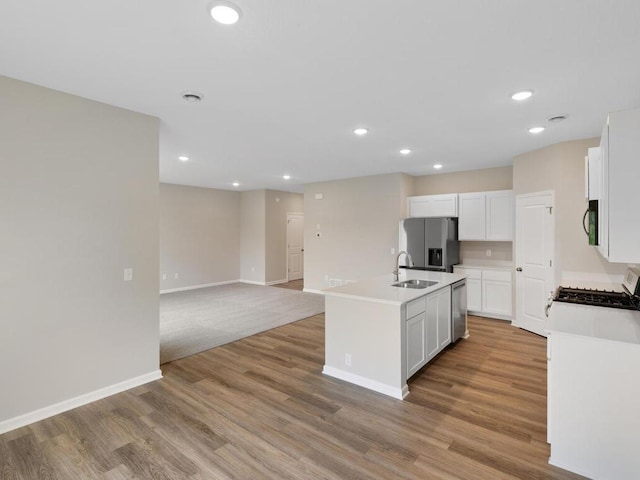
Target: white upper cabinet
point(433, 206)
point(618, 220)
point(486, 216)
point(593, 172)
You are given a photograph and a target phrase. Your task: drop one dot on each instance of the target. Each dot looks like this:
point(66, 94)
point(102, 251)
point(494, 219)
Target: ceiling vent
point(556, 118)
point(190, 96)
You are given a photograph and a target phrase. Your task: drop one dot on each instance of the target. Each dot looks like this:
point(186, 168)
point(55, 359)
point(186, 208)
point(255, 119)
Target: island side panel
point(371, 334)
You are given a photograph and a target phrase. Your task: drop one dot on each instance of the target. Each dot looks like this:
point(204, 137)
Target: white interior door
point(534, 259)
point(295, 246)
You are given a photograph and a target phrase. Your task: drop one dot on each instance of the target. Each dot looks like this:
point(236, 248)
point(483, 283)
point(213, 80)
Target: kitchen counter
point(604, 323)
point(378, 289)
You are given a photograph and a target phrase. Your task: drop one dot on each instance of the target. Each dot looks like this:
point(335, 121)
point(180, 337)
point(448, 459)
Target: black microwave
point(590, 222)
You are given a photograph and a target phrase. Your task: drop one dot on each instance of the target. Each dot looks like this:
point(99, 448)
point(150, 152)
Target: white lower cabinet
point(428, 328)
point(489, 291)
point(416, 346)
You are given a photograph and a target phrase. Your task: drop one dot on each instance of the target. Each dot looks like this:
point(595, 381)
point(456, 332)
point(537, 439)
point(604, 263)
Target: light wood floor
point(261, 408)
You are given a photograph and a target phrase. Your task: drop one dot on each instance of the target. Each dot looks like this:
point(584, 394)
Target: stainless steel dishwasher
point(459, 310)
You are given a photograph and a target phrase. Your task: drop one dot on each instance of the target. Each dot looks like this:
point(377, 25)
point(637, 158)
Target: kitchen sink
point(414, 283)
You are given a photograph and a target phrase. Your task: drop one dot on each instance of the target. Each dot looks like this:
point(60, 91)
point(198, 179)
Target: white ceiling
point(285, 87)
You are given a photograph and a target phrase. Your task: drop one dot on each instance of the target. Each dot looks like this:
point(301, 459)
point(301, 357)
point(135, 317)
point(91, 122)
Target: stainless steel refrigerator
point(431, 242)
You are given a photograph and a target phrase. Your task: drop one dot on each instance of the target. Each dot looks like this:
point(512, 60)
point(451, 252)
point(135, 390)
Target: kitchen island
point(378, 335)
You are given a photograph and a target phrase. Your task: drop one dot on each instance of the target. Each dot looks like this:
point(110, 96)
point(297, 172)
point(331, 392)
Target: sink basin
point(414, 284)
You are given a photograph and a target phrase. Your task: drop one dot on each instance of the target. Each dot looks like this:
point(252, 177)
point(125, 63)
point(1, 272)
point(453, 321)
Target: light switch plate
point(128, 274)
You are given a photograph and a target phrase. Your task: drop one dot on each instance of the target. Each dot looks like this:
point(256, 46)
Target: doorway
point(295, 246)
point(534, 259)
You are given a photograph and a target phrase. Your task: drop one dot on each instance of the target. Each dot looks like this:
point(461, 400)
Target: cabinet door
point(433, 345)
point(444, 317)
point(418, 206)
point(474, 294)
point(472, 218)
point(438, 321)
point(499, 215)
point(416, 348)
point(442, 205)
point(496, 297)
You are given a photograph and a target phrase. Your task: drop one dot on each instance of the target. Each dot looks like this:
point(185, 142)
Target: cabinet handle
point(519, 269)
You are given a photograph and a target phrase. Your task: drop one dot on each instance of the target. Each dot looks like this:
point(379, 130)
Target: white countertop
point(614, 324)
point(379, 289)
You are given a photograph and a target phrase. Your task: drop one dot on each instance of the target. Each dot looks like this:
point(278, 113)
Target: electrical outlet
point(488, 252)
point(176, 276)
point(326, 278)
point(393, 251)
point(164, 276)
point(347, 359)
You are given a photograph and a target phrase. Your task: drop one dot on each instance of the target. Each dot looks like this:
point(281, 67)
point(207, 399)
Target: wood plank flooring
point(292, 285)
point(261, 408)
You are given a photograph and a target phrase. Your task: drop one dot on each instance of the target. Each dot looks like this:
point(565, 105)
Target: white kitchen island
point(378, 335)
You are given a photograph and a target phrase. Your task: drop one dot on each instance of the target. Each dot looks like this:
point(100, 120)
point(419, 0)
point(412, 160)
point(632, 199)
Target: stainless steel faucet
point(396, 272)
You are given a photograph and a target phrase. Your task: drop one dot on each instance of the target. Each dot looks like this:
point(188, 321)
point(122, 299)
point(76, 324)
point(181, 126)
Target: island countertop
point(379, 289)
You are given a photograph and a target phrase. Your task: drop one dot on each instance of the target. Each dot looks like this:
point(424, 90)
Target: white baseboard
point(196, 287)
point(66, 405)
point(495, 316)
point(276, 282)
point(313, 290)
point(252, 282)
point(374, 385)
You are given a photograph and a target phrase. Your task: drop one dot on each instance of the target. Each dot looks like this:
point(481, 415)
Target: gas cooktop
point(600, 298)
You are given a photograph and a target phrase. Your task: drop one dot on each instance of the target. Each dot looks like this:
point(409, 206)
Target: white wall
point(252, 234)
point(199, 236)
point(78, 204)
point(359, 220)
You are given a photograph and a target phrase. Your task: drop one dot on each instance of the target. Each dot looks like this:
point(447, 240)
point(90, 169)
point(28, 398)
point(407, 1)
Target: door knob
point(519, 269)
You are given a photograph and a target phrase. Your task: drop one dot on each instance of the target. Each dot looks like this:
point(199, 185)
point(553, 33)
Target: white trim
point(65, 405)
point(313, 290)
point(253, 282)
point(495, 316)
point(276, 282)
point(196, 287)
point(379, 387)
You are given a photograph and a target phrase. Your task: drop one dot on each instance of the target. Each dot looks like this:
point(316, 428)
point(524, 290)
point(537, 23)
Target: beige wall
point(359, 221)
point(484, 180)
point(277, 205)
point(199, 236)
point(560, 168)
point(78, 204)
point(252, 235)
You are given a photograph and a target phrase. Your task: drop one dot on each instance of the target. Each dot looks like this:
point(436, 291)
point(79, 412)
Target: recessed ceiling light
point(536, 130)
point(190, 96)
point(437, 166)
point(235, 184)
point(405, 151)
point(183, 158)
point(519, 96)
point(225, 13)
point(286, 177)
point(360, 131)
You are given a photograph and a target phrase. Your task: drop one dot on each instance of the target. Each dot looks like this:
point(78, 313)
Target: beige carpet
point(197, 320)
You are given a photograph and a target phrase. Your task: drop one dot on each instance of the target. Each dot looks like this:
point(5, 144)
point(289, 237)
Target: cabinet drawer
point(416, 307)
point(499, 275)
point(469, 272)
